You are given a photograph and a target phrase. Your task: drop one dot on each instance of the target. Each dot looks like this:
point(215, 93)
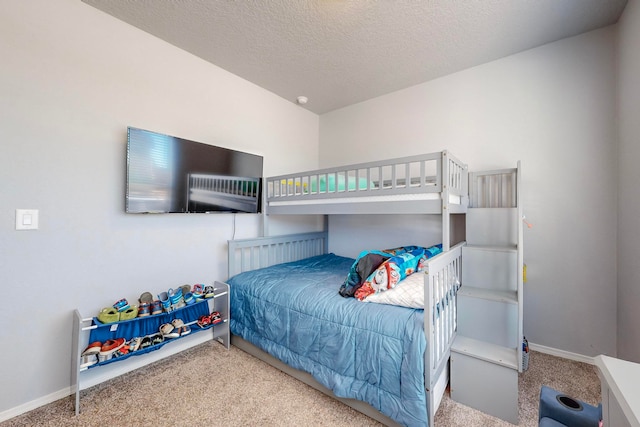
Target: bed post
point(265, 220)
point(325, 228)
point(446, 220)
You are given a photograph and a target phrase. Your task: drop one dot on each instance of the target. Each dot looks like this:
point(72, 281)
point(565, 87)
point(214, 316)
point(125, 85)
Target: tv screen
point(166, 174)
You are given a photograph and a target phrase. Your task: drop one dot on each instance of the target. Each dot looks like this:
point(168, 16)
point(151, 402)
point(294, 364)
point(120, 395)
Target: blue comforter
point(369, 352)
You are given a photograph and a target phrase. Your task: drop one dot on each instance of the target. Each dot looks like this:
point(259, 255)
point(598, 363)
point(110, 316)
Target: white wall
point(629, 195)
point(72, 79)
point(553, 108)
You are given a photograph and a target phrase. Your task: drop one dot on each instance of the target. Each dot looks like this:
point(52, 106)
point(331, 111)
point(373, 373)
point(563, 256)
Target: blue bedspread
point(369, 352)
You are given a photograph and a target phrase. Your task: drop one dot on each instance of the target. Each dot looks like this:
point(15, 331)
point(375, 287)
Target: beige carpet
point(210, 386)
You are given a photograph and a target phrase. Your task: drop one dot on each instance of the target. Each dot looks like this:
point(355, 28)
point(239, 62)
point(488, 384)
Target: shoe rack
point(83, 377)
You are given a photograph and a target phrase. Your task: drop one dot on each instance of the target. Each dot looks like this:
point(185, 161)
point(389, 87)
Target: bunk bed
point(286, 308)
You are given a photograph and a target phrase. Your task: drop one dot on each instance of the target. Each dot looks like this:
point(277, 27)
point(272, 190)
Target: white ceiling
point(340, 52)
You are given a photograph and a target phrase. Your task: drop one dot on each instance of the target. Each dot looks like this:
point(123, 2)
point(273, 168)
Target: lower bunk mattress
point(365, 351)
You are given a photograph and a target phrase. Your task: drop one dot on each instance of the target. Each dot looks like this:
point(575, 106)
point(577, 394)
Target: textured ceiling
point(340, 52)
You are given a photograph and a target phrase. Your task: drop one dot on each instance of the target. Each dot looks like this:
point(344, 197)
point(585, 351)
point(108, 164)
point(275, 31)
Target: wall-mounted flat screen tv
point(166, 174)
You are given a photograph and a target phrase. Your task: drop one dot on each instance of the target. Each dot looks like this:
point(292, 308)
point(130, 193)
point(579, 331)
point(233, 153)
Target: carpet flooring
point(210, 386)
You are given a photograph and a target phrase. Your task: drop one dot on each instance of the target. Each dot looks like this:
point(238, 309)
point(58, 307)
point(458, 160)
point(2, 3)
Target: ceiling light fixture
point(301, 100)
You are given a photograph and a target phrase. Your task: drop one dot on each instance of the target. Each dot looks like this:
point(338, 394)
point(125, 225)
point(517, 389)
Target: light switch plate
point(26, 219)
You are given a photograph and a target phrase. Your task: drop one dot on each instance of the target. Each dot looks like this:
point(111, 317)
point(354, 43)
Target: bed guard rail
point(442, 281)
point(405, 175)
point(260, 252)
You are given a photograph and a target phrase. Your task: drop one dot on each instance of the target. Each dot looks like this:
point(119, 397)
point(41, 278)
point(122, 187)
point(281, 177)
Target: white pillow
point(409, 292)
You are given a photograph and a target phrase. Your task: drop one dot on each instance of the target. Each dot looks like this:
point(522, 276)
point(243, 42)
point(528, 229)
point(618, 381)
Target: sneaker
point(164, 300)
point(175, 333)
point(104, 357)
point(198, 292)
point(144, 310)
point(88, 360)
point(121, 305)
point(109, 315)
point(204, 321)
point(129, 313)
point(215, 318)
point(185, 289)
point(134, 344)
point(146, 298)
point(93, 348)
point(121, 351)
point(175, 296)
point(146, 342)
point(111, 346)
point(189, 299)
point(166, 328)
point(209, 292)
point(156, 307)
point(156, 339)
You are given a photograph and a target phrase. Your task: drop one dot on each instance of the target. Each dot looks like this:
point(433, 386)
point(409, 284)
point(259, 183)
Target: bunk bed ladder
point(486, 355)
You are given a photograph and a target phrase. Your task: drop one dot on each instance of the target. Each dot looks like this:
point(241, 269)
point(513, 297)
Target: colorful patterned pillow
point(396, 268)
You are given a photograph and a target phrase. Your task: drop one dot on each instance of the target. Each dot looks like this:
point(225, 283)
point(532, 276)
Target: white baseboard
point(562, 353)
point(108, 372)
point(34, 404)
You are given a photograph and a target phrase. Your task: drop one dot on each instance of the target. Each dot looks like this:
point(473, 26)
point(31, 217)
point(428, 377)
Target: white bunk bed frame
point(435, 183)
point(396, 186)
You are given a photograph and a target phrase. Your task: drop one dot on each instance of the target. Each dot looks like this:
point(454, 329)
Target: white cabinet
point(619, 381)
point(85, 331)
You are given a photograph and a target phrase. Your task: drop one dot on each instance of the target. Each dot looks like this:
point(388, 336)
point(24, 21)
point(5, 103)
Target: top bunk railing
point(494, 189)
point(419, 174)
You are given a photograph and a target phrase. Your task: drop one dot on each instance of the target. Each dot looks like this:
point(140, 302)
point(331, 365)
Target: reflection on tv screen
point(166, 174)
